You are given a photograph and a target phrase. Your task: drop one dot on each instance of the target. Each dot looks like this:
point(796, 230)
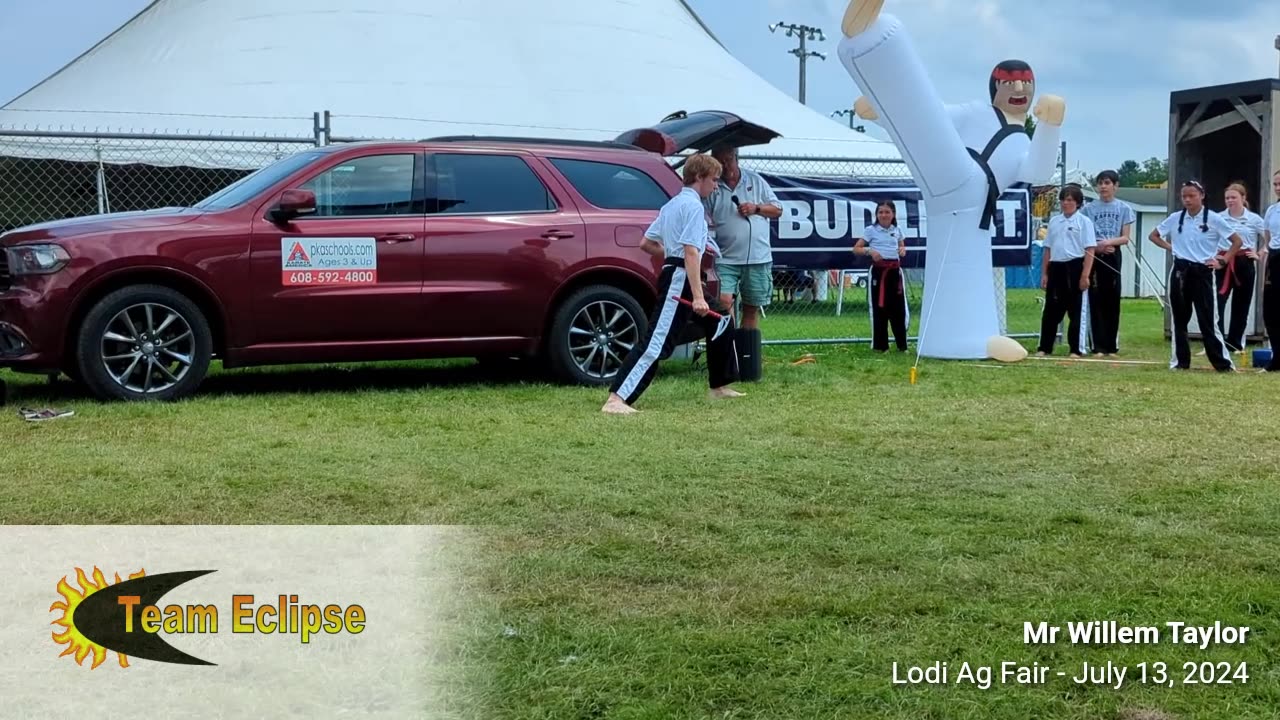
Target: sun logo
point(75, 641)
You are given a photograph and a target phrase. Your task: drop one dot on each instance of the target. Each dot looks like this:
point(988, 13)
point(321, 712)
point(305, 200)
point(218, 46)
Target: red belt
point(884, 266)
point(1230, 279)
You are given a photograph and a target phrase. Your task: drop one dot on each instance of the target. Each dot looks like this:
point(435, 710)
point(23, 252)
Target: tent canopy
point(407, 69)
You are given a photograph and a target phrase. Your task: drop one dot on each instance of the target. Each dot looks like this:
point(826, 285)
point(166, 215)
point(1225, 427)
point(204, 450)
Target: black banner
point(822, 216)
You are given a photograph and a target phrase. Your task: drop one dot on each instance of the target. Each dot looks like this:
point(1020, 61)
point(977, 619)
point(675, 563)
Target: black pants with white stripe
point(1063, 296)
point(665, 322)
point(1271, 307)
point(1240, 289)
point(1192, 287)
point(1104, 303)
point(888, 306)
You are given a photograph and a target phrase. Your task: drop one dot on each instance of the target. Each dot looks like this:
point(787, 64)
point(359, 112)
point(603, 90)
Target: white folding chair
point(844, 275)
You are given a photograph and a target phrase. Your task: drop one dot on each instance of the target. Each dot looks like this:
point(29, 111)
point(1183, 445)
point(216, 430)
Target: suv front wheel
point(591, 334)
point(144, 342)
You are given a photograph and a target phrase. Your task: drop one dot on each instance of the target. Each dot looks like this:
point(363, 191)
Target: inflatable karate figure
point(963, 157)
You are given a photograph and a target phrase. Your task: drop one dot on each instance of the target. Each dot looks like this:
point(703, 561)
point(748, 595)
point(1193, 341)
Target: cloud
point(812, 12)
point(1116, 63)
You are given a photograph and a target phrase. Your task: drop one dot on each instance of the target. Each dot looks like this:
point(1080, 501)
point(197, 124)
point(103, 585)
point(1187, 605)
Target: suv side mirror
point(293, 204)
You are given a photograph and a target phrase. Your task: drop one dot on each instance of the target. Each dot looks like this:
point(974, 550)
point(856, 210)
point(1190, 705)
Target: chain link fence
point(833, 304)
point(53, 175)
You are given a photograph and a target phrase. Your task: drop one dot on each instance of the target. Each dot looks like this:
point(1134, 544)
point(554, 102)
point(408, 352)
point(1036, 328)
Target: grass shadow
point(30, 390)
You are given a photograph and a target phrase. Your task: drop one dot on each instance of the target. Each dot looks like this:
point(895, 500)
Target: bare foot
point(725, 392)
point(859, 16)
point(615, 406)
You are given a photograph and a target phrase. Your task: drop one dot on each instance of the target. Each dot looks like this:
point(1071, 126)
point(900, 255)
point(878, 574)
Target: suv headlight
point(36, 259)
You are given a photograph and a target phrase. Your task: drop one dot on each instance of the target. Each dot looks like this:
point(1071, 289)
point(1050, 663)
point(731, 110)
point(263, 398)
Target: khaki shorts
point(752, 284)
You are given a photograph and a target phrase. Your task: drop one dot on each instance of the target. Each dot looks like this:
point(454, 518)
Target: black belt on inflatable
point(983, 159)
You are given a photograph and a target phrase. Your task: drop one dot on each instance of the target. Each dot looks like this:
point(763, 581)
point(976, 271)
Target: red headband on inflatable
point(1012, 75)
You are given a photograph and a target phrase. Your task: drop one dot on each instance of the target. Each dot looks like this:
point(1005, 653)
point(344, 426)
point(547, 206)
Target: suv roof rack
point(535, 141)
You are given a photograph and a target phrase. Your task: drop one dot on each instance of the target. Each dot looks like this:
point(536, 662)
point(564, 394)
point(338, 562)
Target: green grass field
point(767, 557)
point(805, 320)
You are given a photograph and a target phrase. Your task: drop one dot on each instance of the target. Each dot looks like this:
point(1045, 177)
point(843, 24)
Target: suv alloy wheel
point(144, 342)
point(592, 332)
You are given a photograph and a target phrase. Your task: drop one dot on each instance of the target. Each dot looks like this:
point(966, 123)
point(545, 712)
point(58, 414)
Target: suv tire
point(612, 315)
point(144, 342)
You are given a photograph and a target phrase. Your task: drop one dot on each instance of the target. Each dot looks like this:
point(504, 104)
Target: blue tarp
point(1027, 276)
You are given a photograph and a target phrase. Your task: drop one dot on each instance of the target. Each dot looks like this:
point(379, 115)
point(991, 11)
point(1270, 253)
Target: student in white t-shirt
point(887, 290)
point(1193, 235)
point(1238, 280)
point(1271, 261)
point(1068, 264)
point(680, 236)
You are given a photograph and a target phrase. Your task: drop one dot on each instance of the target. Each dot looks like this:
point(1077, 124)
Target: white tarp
point(406, 69)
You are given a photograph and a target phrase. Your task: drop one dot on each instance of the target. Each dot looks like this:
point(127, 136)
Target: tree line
point(1153, 171)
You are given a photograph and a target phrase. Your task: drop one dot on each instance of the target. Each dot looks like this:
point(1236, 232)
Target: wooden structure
point(1223, 134)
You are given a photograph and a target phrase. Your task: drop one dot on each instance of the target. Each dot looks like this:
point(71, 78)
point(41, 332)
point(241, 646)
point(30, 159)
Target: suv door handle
point(404, 237)
point(557, 234)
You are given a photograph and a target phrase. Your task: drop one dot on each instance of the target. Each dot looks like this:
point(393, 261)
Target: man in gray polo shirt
point(741, 206)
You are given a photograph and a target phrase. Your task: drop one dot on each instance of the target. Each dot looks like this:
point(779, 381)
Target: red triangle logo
point(298, 254)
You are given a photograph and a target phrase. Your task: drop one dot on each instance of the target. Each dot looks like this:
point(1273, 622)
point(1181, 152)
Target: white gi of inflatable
point(962, 157)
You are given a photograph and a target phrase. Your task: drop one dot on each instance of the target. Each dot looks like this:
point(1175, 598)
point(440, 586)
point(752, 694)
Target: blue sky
point(1114, 61)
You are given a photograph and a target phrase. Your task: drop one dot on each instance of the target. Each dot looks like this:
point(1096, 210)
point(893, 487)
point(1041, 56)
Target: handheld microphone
point(735, 201)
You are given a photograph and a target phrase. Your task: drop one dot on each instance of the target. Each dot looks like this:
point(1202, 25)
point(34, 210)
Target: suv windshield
point(251, 185)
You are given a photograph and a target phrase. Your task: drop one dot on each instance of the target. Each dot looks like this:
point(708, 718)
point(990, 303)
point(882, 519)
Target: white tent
point(408, 69)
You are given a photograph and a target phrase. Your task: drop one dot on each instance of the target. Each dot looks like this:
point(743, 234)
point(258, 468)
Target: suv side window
point(367, 186)
point(485, 184)
point(612, 187)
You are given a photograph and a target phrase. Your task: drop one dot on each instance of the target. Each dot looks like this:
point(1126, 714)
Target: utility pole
point(805, 32)
point(1064, 163)
point(1278, 47)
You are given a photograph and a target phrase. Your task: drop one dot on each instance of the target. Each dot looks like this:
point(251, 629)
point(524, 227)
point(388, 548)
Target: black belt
point(679, 262)
point(989, 208)
point(983, 159)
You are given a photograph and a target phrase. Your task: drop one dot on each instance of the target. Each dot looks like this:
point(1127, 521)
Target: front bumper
point(18, 354)
point(29, 341)
point(13, 343)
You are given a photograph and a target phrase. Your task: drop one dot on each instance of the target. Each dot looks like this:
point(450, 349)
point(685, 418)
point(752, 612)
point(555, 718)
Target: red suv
point(452, 247)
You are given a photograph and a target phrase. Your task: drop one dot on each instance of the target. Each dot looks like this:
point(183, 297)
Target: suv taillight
point(5, 280)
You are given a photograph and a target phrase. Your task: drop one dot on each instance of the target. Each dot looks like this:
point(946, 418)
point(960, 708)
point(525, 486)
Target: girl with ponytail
point(1237, 280)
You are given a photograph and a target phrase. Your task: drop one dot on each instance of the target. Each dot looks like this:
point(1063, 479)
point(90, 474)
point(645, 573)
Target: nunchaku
point(724, 319)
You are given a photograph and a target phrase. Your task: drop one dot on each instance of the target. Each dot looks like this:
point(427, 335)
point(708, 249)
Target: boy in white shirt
point(1068, 264)
point(681, 236)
